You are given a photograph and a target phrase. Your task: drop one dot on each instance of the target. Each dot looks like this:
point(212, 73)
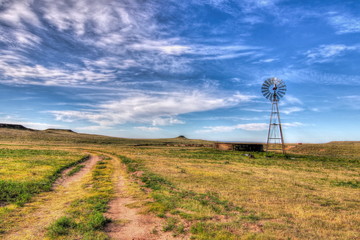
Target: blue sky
point(155, 69)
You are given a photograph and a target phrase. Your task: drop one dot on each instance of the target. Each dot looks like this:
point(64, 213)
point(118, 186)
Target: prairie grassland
point(84, 218)
point(224, 195)
point(25, 172)
point(201, 193)
point(347, 150)
point(68, 212)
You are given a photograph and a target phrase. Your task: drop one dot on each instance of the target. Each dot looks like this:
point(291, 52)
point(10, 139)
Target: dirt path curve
point(46, 207)
point(128, 223)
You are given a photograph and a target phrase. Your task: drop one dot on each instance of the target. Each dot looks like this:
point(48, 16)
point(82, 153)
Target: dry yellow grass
point(44, 208)
point(291, 198)
point(224, 195)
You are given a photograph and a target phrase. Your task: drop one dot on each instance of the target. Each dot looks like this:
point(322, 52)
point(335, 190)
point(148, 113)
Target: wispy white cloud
point(163, 121)
point(293, 124)
point(110, 62)
point(148, 129)
point(84, 16)
point(326, 53)
point(157, 110)
point(91, 128)
point(293, 74)
point(19, 70)
point(267, 60)
point(351, 101)
point(19, 13)
point(126, 31)
point(291, 110)
point(344, 23)
point(351, 97)
point(251, 6)
point(168, 46)
point(290, 99)
point(246, 127)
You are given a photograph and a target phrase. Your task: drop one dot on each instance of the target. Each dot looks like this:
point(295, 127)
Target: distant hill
point(59, 130)
point(16, 133)
point(182, 137)
point(14, 126)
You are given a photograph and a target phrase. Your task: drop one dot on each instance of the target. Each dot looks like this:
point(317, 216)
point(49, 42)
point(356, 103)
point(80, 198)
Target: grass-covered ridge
point(63, 137)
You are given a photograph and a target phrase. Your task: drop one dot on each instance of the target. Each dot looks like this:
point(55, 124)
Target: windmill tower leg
point(275, 140)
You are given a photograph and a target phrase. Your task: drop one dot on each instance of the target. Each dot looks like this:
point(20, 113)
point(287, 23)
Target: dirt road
point(32, 220)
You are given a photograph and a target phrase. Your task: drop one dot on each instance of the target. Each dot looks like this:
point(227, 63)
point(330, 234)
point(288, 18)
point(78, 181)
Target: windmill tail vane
point(274, 89)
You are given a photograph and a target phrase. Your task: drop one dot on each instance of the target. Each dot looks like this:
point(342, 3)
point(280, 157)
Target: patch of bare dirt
point(254, 227)
point(128, 223)
point(289, 147)
point(66, 180)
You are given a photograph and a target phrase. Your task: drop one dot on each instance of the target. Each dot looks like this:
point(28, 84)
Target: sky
point(160, 69)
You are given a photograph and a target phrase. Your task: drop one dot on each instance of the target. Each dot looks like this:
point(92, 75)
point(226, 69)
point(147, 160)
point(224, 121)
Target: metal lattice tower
point(274, 89)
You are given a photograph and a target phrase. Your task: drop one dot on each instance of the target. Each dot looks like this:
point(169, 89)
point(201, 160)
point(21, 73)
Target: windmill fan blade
point(282, 91)
point(269, 95)
point(265, 85)
point(265, 90)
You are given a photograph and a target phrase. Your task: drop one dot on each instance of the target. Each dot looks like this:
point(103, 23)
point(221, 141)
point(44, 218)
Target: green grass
point(350, 183)
point(26, 172)
point(76, 169)
point(61, 227)
point(87, 213)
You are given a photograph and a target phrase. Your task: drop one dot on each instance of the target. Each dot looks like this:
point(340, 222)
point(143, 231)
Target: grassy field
point(226, 195)
point(200, 192)
point(84, 217)
point(25, 172)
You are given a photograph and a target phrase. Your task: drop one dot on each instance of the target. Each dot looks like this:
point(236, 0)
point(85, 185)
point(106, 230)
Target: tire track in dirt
point(33, 219)
point(128, 223)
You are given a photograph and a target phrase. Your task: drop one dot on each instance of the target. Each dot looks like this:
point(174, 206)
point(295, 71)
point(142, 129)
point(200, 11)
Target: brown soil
point(128, 223)
point(46, 207)
point(289, 147)
point(65, 180)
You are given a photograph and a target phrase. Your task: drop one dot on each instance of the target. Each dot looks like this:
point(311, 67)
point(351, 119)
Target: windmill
point(274, 89)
